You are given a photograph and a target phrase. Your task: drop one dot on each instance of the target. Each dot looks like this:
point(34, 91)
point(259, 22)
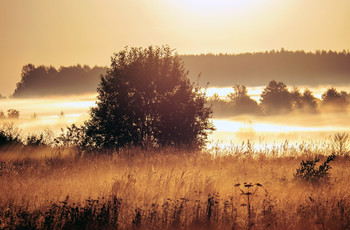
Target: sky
point(69, 32)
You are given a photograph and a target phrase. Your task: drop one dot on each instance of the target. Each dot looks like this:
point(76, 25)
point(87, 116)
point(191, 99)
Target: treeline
point(277, 99)
point(250, 69)
point(46, 81)
point(255, 69)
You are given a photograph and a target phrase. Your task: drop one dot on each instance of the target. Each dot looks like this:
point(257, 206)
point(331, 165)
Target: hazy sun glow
point(217, 5)
point(71, 30)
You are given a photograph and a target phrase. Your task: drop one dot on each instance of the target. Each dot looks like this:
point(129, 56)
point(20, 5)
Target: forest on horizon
point(296, 68)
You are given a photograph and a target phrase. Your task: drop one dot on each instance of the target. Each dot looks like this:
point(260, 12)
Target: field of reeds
point(234, 188)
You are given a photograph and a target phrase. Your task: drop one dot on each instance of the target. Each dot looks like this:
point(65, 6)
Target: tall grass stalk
point(166, 189)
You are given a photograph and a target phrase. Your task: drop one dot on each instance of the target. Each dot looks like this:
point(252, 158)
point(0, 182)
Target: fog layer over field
point(55, 113)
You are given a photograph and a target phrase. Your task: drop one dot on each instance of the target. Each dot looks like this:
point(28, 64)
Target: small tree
point(2, 114)
point(146, 98)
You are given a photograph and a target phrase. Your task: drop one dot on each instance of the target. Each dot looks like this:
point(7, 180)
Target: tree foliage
point(309, 102)
point(255, 69)
point(308, 172)
point(335, 101)
point(9, 135)
point(146, 98)
point(241, 101)
point(42, 80)
point(276, 98)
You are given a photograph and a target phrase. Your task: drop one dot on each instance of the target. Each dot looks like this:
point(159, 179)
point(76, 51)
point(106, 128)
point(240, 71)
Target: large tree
point(146, 98)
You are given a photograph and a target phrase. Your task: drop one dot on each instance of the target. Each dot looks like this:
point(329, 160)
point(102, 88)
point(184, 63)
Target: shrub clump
point(308, 172)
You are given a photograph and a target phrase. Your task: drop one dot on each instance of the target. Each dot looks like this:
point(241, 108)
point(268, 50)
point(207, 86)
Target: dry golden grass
point(167, 189)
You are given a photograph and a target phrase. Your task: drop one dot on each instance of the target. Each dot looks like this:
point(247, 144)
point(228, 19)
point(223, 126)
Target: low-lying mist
point(56, 113)
point(52, 113)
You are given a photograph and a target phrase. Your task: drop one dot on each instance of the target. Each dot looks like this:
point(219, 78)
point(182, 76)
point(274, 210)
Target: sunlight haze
point(174, 114)
point(62, 33)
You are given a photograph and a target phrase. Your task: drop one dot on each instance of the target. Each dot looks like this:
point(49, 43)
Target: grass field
point(236, 188)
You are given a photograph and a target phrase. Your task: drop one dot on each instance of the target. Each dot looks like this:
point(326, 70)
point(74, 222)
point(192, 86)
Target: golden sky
point(68, 32)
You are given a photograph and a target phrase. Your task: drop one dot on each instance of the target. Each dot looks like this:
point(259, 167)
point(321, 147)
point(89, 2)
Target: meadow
point(238, 187)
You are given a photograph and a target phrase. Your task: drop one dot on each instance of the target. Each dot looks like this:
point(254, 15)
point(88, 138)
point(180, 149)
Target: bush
point(9, 135)
point(36, 140)
point(307, 172)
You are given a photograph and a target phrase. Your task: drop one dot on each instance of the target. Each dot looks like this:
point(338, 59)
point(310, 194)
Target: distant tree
point(303, 102)
point(332, 99)
point(2, 97)
point(297, 99)
point(309, 101)
point(31, 78)
point(331, 95)
point(13, 114)
point(146, 98)
point(220, 106)
point(240, 93)
point(34, 116)
point(255, 69)
point(214, 98)
point(346, 96)
point(47, 80)
point(2, 115)
point(242, 103)
point(276, 98)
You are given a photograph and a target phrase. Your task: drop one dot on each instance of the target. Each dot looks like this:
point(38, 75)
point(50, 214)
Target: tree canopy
point(335, 101)
point(146, 98)
point(241, 102)
point(222, 70)
point(276, 98)
point(43, 80)
point(255, 69)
